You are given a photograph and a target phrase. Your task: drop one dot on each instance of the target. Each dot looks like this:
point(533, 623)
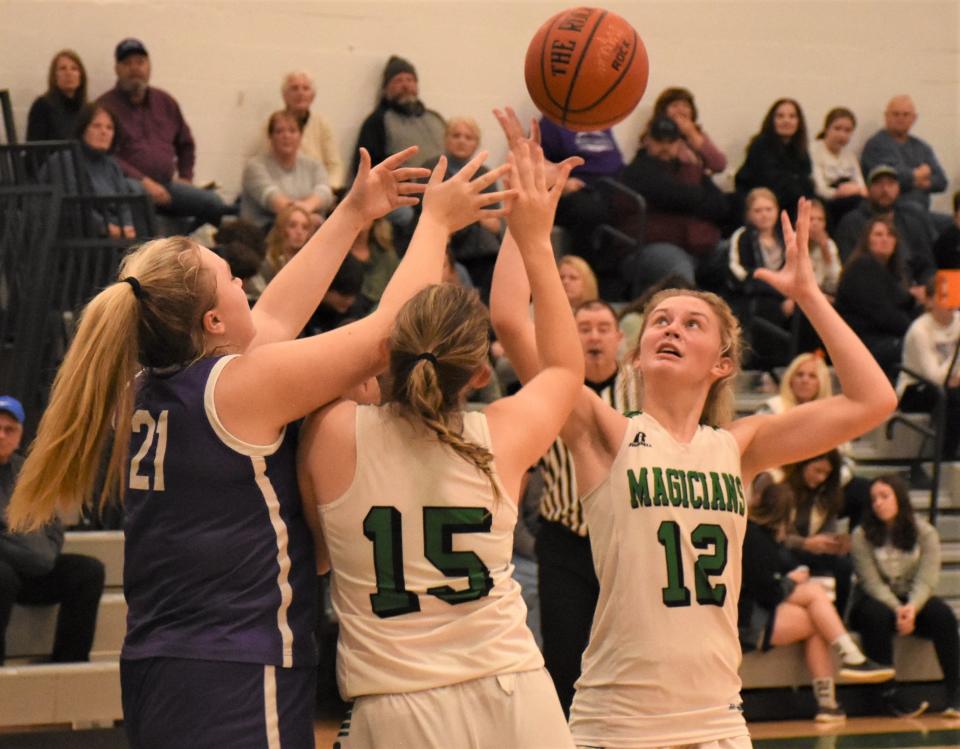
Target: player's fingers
point(489, 198)
point(408, 173)
point(436, 177)
point(392, 162)
point(411, 188)
point(364, 168)
point(471, 167)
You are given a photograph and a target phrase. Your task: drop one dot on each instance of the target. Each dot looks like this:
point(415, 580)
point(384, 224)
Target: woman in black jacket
point(873, 296)
point(777, 157)
point(53, 116)
point(781, 606)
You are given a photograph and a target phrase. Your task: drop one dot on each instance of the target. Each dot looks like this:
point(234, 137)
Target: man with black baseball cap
point(913, 224)
point(32, 569)
point(153, 142)
point(684, 207)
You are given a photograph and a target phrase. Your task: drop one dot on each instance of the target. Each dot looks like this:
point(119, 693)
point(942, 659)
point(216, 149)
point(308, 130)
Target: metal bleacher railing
point(53, 258)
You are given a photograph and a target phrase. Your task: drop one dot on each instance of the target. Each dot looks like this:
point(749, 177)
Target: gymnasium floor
point(856, 733)
point(930, 732)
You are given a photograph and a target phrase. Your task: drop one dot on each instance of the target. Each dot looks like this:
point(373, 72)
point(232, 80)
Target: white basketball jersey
point(666, 529)
point(422, 577)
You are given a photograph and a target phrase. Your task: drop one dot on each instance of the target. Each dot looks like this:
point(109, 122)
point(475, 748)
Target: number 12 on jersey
point(704, 536)
point(383, 526)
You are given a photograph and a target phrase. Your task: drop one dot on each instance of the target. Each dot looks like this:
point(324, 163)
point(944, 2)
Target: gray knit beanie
point(396, 66)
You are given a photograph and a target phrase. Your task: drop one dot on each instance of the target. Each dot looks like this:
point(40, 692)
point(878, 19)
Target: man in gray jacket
point(33, 572)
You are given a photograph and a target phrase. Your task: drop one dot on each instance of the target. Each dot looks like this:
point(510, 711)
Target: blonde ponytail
point(156, 322)
point(439, 341)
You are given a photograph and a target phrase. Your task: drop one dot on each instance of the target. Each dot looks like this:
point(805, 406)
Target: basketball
point(586, 68)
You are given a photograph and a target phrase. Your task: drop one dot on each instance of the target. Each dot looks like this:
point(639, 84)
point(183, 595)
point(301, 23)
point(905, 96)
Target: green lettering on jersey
point(639, 492)
point(675, 487)
point(717, 501)
point(659, 491)
point(696, 500)
point(730, 485)
point(741, 508)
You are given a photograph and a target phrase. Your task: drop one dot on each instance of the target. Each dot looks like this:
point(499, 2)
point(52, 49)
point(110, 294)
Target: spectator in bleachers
point(916, 165)
point(758, 244)
point(913, 224)
point(897, 559)
point(813, 534)
point(946, 250)
point(697, 148)
point(241, 244)
point(475, 246)
point(318, 141)
point(780, 605)
point(837, 178)
point(579, 281)
point(339, 305)
point(777, 157)
point(33, 571)
point(374, 248)
point(289, 233)
point(582, 207)
point(684, 206)
point(283, 177)
point(929, 349)
point(53, 116)
point(874, 295)
point(154, 144)
point(400, 119)
point(806, 379)
point(96, 129)
point(824, 254)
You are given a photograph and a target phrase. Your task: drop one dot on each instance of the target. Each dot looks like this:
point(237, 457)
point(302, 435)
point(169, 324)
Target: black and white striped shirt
point(560, 502)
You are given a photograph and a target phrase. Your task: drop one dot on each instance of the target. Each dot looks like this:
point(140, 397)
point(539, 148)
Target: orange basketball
point(586, 68)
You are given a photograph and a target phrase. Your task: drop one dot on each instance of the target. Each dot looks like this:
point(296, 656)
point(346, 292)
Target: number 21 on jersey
point(156, 438)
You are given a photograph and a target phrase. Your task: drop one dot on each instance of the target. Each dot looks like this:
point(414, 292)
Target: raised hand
point(460, 200)
point(795, 280)
point(513, 130)
point(378, 190)
point(531, 217)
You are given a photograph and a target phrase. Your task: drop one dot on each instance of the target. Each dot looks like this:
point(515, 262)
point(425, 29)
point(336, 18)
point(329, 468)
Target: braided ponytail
point(439, 341)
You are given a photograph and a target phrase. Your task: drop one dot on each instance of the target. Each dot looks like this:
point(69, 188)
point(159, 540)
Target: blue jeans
point(205, 206)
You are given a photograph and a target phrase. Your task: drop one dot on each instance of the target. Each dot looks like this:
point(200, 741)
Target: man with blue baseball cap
point(33, 572)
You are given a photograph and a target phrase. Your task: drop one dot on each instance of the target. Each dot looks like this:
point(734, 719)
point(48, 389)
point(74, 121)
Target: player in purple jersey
point(218, 553)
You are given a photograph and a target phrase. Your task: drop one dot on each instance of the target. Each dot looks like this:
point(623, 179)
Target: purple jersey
point(219, 561)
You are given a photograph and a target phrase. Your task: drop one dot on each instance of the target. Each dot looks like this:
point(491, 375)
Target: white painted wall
point(223, 60)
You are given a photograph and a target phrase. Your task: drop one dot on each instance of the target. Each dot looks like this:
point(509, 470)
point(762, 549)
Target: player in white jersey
point(663, 495)
point(418, 501)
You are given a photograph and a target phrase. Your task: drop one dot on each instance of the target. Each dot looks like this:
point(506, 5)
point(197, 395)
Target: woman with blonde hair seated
point(578, 280)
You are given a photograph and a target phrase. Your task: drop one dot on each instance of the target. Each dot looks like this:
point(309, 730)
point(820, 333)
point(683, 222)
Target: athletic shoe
point(868, 672)
point(830, 715)
point(900, 707)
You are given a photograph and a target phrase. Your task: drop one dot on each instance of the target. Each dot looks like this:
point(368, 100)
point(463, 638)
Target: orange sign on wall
point(948, 288)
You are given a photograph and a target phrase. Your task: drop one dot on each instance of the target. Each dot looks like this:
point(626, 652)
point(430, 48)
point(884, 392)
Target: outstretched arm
point(546, 399)
point(273, 385)
point(813, 428)
point(292, 296)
